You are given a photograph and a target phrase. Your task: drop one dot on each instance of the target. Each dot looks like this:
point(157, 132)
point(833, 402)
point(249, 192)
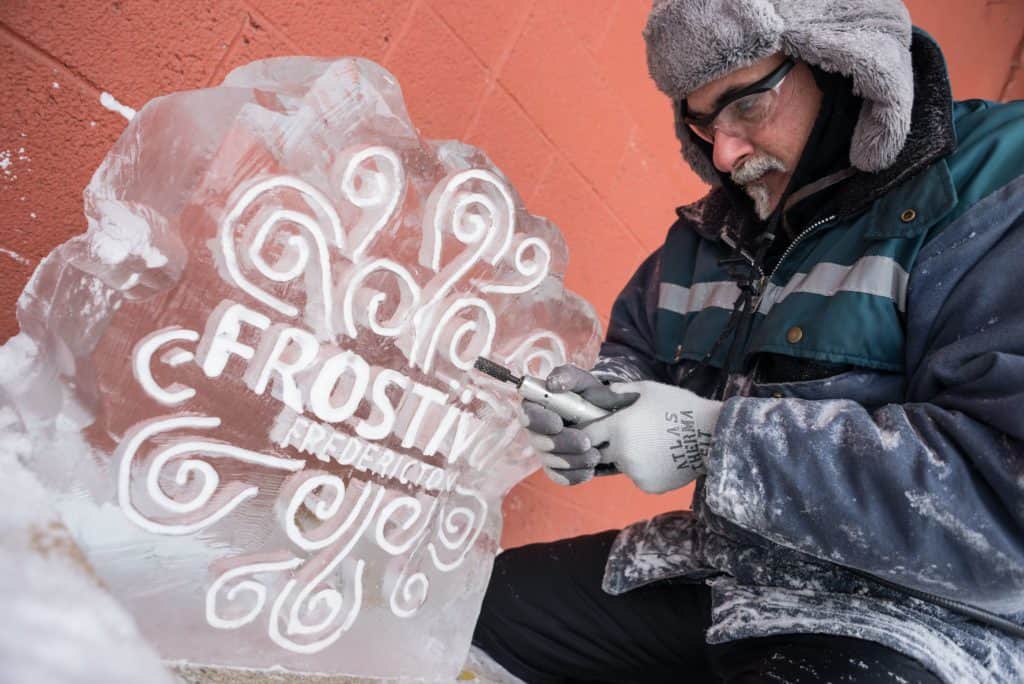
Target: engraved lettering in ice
point(268, 335)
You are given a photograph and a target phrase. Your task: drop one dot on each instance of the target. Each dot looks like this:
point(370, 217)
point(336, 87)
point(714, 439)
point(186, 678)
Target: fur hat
point(693, 42)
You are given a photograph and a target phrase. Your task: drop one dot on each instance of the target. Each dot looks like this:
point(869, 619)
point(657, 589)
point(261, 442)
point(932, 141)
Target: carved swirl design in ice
point(302, 294)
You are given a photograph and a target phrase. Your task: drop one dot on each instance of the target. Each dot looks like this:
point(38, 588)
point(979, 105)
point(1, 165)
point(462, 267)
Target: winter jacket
point(878, 424)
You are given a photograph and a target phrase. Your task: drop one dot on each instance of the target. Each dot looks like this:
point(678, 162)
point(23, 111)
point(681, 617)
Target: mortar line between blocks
point(499, 65)
point(520, 29)
point(542, 177)
point(229, 51)
point(458, 37)
point(401, 33)
point(600, 198)
point(604, 202)
point(489, 83)
point(492, 74)
point(489, 88)
point(590, 184)
point(264, 19)
point(596, 48)
point(599, 71)
point(1016, 65)
point(23, 44)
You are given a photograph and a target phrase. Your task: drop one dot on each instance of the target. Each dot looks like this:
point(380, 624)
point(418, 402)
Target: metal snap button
point(794, 334)
point(908, 216)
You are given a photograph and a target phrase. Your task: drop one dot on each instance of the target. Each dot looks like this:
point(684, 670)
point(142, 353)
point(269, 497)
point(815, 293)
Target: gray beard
point(762, 199)
point(747, 177)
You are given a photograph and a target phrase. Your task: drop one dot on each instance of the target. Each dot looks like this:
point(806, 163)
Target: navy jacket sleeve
point(928, 493)
point(628, 351)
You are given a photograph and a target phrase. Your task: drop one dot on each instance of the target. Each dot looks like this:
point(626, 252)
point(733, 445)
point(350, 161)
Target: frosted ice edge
point(299, 292)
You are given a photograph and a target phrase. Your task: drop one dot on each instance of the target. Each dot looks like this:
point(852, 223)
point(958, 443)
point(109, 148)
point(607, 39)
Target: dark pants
point(546, 619)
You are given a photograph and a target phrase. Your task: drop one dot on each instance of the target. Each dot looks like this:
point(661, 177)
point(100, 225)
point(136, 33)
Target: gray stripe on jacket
point(873, 275)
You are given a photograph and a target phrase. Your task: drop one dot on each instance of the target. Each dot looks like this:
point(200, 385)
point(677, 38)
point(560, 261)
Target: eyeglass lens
point(741, 116)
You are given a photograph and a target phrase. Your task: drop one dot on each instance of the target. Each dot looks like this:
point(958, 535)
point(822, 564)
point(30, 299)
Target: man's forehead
point(704, 99)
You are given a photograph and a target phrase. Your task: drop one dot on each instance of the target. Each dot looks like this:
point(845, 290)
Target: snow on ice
point(273, 449)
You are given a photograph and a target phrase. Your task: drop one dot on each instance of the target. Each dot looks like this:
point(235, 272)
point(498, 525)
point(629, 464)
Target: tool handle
point(570, 406)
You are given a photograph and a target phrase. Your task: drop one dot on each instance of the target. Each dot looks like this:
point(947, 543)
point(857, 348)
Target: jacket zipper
point(765, 279)
point(806, 231)
point(747, 256)
point(762, 282)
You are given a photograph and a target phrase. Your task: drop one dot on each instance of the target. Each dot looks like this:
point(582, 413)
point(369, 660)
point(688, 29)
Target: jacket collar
point(932, 136)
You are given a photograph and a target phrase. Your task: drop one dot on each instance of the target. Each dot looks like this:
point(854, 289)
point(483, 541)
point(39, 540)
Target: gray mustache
point(755, 168)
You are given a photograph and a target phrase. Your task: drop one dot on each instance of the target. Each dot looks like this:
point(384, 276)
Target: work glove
point(661, 439)
point(568, 456)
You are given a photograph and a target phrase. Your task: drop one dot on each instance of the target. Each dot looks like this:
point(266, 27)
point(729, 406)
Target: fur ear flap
point(884, 121)
point(868, 41)
point(879, 135)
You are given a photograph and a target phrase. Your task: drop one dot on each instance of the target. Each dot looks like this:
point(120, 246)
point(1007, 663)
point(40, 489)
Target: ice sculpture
point(262, 350)
point(59, 626)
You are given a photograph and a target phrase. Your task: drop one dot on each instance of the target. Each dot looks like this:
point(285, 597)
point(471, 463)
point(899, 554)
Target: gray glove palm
point(568, 456)
point(661, 439)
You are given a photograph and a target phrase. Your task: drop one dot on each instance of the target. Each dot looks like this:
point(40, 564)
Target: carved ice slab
point(257, 365)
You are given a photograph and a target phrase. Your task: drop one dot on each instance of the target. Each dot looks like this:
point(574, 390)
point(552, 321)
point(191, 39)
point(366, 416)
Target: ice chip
point(275, 451)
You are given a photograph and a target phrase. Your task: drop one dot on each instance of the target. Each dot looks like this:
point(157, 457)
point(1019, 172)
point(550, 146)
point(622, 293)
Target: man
point(831, 343)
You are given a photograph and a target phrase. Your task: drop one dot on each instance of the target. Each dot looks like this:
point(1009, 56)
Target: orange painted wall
point(555, 91)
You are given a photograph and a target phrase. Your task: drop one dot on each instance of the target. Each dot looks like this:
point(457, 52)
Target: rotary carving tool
point(573, 408)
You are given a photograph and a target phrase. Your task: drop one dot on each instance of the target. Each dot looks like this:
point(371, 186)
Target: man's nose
point(728, 150)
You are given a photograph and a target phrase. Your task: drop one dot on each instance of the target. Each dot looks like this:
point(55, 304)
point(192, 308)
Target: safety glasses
point(744, 111)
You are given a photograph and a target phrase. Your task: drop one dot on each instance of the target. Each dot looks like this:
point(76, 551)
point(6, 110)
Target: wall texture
point(555, 91)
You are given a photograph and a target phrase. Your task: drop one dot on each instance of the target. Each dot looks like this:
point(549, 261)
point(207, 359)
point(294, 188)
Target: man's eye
point(749, 108)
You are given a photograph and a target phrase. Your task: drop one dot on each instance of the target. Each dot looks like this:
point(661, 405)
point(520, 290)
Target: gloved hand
point(567, 454)
point(661, 440)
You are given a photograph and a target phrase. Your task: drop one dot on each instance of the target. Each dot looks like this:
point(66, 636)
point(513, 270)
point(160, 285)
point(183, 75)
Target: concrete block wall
point(555, 91)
